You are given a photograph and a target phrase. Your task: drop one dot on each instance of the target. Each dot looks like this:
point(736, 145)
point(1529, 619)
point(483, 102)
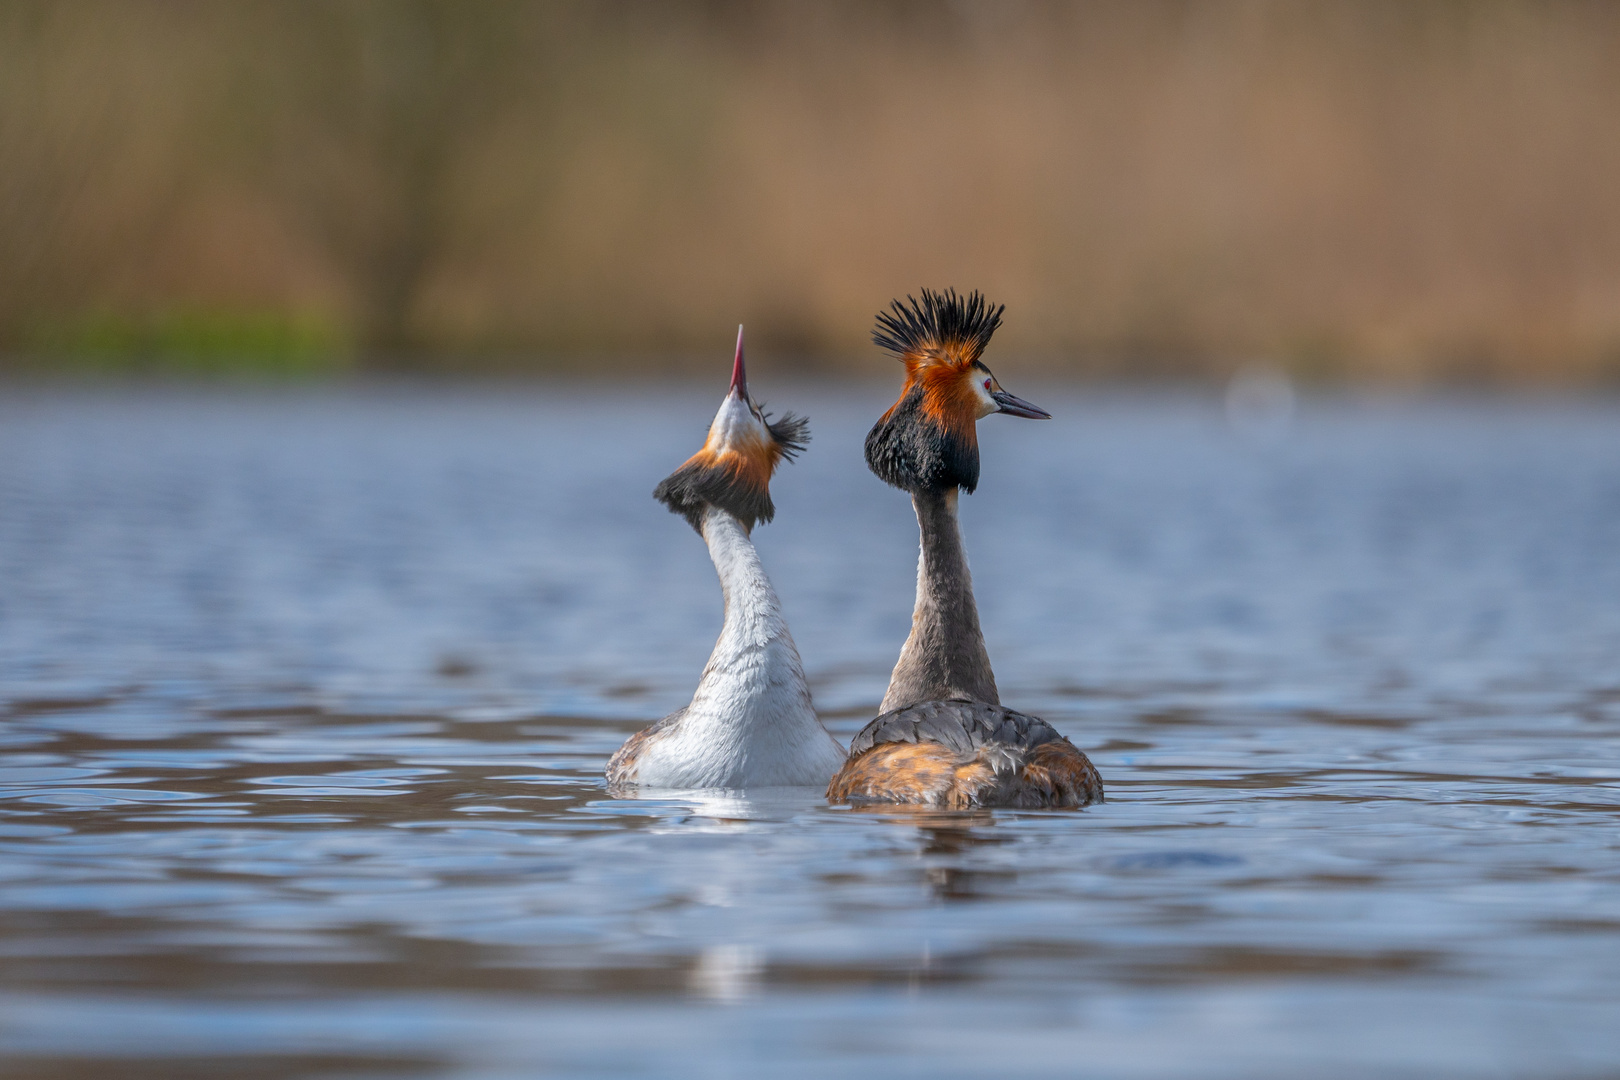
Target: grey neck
point(944, 657)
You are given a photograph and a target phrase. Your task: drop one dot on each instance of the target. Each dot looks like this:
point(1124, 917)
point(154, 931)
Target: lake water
point(306, 697)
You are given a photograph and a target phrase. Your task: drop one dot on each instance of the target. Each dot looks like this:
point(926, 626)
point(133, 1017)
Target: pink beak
point(739, 374)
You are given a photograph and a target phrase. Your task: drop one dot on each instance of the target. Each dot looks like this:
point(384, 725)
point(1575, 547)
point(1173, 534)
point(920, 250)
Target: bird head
point(733, 470)
point(928, 440)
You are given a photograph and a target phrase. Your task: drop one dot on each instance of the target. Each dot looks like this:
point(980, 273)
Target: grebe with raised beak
point(750, 724)
point(942, 738)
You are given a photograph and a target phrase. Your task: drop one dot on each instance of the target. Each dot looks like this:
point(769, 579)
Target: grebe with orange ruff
point(942, 738)
point(751, 723)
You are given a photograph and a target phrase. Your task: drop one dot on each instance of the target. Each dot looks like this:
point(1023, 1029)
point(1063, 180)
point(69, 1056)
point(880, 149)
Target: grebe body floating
point(942, 738)
point(750, 723)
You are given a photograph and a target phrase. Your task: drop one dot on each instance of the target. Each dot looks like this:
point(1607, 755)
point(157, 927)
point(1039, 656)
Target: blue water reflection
point(307, 697)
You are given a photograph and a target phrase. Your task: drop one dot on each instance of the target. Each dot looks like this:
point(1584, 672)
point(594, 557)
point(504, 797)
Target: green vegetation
point(190, 342)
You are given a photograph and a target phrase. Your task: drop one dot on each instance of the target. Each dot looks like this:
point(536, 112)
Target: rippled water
point(306, 699)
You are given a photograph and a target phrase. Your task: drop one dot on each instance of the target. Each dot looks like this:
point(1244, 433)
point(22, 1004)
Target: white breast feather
point(750, 723)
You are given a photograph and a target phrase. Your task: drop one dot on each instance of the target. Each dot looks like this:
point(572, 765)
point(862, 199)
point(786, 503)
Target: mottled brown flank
point(1061, 775)
point(934, 775)
point(897, 773)
point(621, 767)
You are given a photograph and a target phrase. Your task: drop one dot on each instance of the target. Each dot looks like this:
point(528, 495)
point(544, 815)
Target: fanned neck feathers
point(733, 470)
point(927, 440)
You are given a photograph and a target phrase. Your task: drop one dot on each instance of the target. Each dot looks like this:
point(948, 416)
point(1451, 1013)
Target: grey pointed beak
point(739, 373)
point(1016, 406)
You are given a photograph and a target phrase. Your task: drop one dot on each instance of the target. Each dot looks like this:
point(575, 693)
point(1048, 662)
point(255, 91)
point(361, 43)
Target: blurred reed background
point(1405, 191)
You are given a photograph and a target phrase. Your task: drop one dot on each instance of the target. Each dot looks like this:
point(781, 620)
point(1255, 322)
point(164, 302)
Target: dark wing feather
point(963, 725)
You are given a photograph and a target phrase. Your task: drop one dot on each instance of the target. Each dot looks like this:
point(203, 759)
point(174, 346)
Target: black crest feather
point(792, 433)
point(940, 321)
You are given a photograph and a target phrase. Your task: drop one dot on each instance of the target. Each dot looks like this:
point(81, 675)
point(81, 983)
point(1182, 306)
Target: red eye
point(987, 384)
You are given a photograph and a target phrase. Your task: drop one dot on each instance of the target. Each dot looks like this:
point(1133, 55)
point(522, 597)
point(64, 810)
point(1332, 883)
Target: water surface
point(306, 698)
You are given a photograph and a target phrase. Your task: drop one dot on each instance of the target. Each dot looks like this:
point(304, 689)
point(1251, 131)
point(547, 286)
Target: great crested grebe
point(942, 738)
point(750, 724)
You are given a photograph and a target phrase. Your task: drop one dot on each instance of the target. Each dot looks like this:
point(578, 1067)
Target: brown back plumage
point(960, 755)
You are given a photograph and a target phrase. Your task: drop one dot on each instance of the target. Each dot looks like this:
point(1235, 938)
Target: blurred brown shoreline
point(1411, 193)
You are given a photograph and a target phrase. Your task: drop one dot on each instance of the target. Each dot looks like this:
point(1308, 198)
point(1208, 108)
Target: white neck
point(753, 613)
point(751, 721)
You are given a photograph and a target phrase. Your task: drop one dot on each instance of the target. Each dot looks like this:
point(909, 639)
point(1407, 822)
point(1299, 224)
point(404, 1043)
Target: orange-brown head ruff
point(928, 440)
point(733, 470)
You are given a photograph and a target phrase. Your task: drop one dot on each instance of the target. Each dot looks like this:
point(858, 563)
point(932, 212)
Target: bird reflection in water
point(950, 834)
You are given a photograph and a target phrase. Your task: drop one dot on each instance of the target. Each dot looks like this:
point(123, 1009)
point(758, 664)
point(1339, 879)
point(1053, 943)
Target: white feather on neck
point(751, 722)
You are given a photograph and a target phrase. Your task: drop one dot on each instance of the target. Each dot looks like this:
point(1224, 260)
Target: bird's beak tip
point(739, 373)
point(1016, 406)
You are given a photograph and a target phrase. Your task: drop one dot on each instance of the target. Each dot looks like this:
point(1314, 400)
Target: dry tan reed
point(1399, 191)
